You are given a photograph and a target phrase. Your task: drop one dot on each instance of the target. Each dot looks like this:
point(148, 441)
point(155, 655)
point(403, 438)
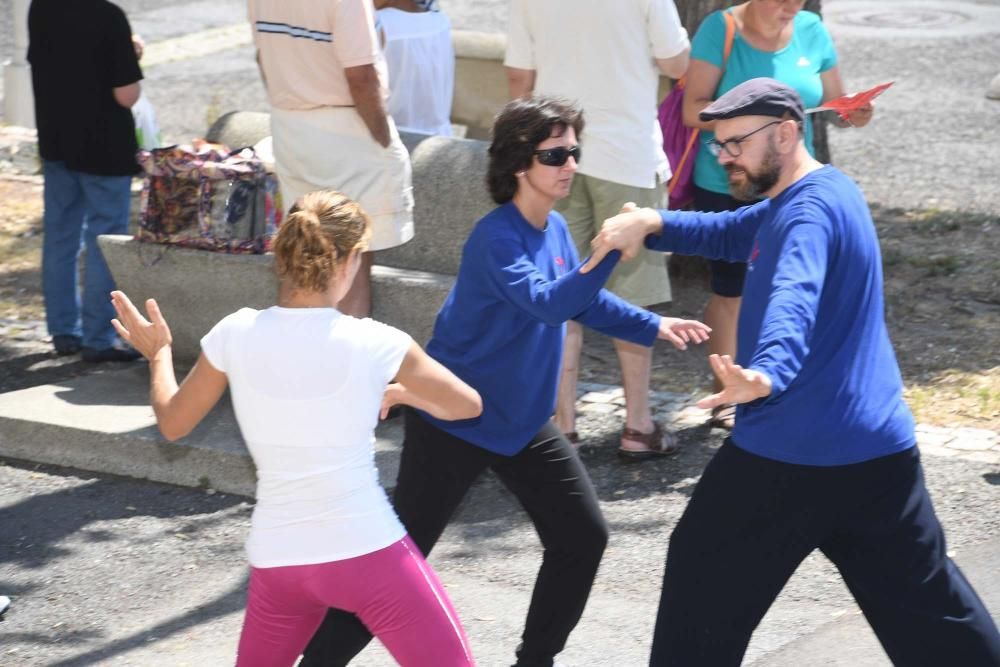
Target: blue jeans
point(80, 207)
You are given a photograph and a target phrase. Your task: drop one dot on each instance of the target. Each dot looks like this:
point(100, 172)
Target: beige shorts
point(642, 281)
point(331, 148)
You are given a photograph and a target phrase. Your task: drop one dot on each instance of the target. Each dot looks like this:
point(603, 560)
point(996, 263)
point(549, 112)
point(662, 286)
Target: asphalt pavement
point(112, 571)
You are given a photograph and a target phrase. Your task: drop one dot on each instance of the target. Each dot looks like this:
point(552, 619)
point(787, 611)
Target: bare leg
point(722, 313)
point(358, 300)
point(565, 417)
point(636, 361)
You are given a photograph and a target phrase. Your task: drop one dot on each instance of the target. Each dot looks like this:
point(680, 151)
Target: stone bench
point(196, 288)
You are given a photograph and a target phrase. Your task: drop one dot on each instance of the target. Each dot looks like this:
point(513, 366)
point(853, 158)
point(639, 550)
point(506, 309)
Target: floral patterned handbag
point(206, 196)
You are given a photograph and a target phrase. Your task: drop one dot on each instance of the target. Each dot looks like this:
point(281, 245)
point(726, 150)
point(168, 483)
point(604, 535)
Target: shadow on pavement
point(34, 527)
point(20, 371)
point(231, 601)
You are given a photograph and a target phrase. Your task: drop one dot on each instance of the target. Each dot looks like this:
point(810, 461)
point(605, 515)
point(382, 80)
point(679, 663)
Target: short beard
point(755, 184)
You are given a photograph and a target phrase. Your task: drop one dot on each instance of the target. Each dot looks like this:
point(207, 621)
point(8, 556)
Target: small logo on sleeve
point(754, 254)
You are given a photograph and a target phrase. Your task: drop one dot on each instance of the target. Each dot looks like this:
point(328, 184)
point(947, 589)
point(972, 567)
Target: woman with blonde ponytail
point(308, 384)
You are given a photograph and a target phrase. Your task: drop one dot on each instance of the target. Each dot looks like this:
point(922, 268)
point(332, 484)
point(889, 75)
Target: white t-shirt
point(421, 61)
point(306, 385)
point(601, 53)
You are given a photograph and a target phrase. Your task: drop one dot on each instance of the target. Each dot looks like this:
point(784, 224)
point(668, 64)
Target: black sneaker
point(66, 345)
point(95, 356)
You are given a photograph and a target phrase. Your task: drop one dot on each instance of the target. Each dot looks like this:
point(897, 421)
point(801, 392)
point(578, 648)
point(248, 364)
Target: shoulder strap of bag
point(693, 139)
point(730, 36)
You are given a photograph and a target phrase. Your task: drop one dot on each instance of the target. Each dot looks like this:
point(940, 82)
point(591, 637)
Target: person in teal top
point(800, 64)
point(775, 39)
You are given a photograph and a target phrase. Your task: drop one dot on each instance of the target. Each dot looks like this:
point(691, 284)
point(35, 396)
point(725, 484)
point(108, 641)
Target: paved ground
point(110, 571)
point(105, 570)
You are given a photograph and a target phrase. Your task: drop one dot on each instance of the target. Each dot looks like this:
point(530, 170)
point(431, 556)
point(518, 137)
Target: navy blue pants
point(752, 520)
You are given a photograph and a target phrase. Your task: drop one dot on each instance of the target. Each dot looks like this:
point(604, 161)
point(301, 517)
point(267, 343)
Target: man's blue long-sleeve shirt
point(811, 320)
point(501, 327)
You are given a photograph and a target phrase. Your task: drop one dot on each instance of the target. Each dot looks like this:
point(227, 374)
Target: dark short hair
point(517, 130)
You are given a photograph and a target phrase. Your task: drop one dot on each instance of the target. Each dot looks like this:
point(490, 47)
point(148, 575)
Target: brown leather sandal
point(723, 416)
point(658, 444)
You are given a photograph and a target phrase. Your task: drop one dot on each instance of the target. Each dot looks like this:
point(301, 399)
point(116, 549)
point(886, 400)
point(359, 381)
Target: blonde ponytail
point(320, 232)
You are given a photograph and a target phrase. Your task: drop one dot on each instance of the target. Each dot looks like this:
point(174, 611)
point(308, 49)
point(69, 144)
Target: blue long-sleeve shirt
point(811, 320)
point(501, 327)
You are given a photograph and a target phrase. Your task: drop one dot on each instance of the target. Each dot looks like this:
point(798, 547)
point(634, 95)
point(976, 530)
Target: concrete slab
point(449, 195)
point(195, 288)
point(103, 422)
point(409, 300)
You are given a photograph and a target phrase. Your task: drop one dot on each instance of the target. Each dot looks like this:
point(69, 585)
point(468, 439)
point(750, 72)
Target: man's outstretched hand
point(626, 232)
point(739, 385)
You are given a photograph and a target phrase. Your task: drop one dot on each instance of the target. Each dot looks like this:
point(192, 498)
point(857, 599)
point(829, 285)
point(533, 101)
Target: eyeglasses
point(732, 146)
point(557, 157)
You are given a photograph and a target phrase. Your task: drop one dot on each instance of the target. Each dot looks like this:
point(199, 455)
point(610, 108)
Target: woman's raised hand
point(861, 116)
point(681, 332)
point(148, 337)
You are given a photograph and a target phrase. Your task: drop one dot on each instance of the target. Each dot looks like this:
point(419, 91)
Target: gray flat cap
point(756, 97)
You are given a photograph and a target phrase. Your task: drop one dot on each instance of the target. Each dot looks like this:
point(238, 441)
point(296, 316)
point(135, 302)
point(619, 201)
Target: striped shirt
point(304, 46)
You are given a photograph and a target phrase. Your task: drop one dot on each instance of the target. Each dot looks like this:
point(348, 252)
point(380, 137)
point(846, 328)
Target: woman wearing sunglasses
point(775, 39)
point(501, 331)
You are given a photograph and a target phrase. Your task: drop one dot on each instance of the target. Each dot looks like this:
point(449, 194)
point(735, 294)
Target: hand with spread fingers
point(148, 337)
point(739, 385)
point(626, 232)
point(681, 332)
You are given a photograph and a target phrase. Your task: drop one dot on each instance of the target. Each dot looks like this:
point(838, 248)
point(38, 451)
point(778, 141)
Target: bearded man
point(823, 454)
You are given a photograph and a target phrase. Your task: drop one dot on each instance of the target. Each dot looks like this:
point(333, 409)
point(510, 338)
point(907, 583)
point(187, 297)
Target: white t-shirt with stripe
point(305, 45)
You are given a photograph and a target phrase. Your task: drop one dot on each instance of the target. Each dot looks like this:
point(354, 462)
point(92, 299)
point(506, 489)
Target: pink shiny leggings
point(393, 591)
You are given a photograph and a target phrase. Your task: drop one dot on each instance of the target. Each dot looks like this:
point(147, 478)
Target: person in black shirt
point(85, 76)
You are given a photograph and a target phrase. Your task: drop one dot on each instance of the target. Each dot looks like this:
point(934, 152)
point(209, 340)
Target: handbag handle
point(726, 50)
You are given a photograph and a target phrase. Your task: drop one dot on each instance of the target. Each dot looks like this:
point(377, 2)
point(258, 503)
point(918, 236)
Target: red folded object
point(846, 104)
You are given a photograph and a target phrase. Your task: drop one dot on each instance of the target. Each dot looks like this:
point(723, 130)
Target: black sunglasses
point(557, 157)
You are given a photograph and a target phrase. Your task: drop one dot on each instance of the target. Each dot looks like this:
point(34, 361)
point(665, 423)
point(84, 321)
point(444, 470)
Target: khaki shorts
point(331, 148)
point(642, 281)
